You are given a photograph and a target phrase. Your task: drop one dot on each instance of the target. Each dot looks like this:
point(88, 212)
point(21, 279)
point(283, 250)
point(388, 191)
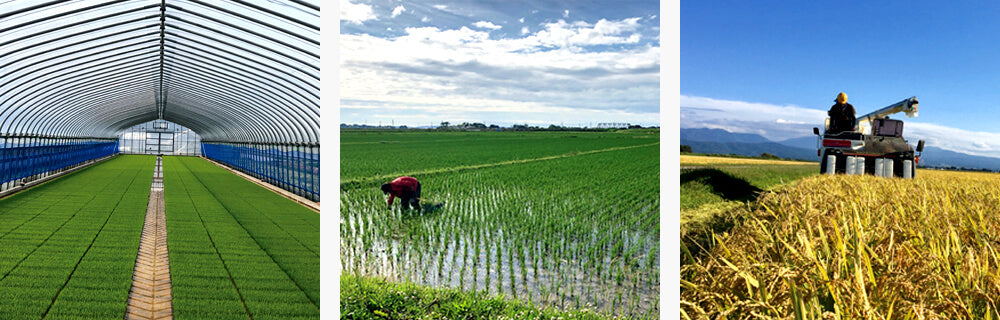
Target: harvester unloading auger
point(875, 146)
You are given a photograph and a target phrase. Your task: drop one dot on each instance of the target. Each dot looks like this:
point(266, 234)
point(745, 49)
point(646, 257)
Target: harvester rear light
point(836, 143)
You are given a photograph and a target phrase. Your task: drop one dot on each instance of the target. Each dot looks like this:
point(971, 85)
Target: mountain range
point(705, 140)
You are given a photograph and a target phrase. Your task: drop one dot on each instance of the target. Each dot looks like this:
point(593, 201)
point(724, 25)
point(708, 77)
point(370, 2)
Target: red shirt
point(400, 185)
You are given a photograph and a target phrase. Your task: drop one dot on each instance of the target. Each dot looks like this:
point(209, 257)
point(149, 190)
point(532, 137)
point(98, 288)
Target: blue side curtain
point(283, 166)
point(25, 161)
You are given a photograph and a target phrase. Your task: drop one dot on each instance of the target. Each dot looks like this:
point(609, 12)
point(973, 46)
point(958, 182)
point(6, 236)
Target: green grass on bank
point(375, 298)
point(719, 183)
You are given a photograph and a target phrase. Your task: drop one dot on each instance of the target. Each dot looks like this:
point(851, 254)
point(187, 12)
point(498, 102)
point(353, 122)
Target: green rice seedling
point(499, 260)
point(255, 266)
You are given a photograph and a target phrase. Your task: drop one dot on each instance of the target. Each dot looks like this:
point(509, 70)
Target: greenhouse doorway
point(160, 137)
point(159, 142)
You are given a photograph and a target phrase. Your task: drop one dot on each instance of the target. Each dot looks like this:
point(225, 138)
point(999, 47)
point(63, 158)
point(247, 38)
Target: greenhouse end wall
point(291, 167)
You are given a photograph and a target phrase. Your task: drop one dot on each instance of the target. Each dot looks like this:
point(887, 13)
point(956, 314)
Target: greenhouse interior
point(159, 159)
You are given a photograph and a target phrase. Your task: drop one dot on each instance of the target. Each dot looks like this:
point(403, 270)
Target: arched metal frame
point(243, 74)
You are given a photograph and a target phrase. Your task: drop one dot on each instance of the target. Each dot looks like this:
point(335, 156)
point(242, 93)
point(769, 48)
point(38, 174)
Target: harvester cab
point(875, 145)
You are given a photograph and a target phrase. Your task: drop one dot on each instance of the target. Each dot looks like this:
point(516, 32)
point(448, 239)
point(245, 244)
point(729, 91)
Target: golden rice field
point(855, 247)
point(686, 160)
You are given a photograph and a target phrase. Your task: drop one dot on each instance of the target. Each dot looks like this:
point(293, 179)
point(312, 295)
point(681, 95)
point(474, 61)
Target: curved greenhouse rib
point(258, 89)
point(242, 75)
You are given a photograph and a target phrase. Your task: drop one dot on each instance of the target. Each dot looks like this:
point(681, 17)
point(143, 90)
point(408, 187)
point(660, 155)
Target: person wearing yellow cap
point(841, 115)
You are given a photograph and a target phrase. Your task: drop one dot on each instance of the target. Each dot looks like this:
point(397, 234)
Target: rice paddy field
point(68, 247)
point(850, 247)
point(565, 220)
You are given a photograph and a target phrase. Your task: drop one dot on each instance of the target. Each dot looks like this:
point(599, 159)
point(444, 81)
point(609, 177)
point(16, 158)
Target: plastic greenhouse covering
point(242, 74)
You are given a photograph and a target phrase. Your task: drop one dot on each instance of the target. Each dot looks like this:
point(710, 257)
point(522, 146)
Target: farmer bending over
point(407, 188)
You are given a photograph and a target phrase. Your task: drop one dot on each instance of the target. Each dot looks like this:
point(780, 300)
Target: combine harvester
point(878, 148)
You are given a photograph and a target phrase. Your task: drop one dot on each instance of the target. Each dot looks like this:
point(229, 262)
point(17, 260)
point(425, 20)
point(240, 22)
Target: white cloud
point(580, 33)
point(440, 6)
point(971, 142)
point(521, 20)
point(781, 122)
point(356, 13)
point(486, 25)
point(434, 74)
point(748, 117)
point(424, 19)
point(709, 108)
point(524, 30)
point(791, 122)
point(398, 10)
point(566, 14)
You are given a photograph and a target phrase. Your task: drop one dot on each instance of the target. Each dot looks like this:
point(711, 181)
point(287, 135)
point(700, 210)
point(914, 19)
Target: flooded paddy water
point(522, 245)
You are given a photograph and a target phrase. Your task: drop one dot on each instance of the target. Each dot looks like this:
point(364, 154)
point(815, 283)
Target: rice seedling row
point(69, 245)
point(578, 232)
point(427, 151)
point(224, 265)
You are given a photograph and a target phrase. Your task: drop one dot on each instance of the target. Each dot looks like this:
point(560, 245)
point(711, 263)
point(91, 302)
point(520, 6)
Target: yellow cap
point(841, 97)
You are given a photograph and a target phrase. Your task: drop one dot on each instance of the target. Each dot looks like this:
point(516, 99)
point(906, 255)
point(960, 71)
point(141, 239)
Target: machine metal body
point(875, 146)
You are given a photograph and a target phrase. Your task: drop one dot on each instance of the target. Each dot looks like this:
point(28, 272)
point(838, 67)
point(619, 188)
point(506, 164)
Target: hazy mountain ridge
point(704, 140)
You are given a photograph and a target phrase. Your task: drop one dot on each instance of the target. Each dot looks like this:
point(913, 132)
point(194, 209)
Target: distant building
point(613, 125)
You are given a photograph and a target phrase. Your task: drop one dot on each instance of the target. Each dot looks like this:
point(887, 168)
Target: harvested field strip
point(364, 182)
point(74, 258)
point(686, 160)
point(222, 268)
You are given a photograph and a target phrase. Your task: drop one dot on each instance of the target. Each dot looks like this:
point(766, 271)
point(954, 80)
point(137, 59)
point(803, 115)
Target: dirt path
point(150, 296)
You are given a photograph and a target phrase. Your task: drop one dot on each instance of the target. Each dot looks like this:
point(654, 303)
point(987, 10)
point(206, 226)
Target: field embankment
point(411, 301)
point(855, 247)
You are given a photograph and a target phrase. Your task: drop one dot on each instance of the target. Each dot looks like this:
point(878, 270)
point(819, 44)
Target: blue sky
point(419, 63)
point(774, 67)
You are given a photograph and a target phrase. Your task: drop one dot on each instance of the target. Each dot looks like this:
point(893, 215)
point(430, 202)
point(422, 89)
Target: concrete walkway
point(150, 297)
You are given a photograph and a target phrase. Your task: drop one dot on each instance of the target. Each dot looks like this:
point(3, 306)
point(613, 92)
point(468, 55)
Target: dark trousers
point(411, 198)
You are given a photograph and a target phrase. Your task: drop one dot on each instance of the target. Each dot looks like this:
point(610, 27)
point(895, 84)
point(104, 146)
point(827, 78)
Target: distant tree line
point(687, 149)
point(523, 127)
point(479, 126)
point(957, 168)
